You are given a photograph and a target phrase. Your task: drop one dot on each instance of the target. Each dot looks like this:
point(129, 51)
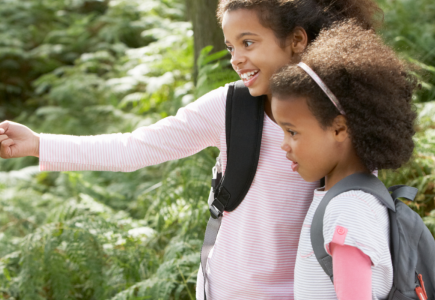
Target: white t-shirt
point(363, 222)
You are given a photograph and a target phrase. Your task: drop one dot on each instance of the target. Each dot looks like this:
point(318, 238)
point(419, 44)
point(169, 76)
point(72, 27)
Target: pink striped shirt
point(255, 251)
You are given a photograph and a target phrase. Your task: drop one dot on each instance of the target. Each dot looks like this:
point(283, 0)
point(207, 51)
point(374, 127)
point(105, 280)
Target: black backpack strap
point(361, 181)
point(244, 128)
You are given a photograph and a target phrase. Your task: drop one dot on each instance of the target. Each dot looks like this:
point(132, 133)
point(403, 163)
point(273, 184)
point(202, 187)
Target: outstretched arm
point(194, 128)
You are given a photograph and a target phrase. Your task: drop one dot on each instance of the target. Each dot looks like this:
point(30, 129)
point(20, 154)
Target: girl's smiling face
point(313, 150)
point(256, 53)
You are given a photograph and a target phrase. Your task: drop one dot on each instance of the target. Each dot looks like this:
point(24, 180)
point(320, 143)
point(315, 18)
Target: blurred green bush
point(409, 28)
point(97, 66)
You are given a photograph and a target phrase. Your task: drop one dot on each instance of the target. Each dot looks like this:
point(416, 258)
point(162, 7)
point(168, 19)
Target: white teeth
point(248, 75)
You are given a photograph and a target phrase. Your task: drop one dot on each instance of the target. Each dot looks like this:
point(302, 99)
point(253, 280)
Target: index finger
point(4, 126)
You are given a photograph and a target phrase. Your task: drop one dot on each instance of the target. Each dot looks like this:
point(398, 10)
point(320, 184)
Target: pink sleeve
point(195, 127)
point(352, 272)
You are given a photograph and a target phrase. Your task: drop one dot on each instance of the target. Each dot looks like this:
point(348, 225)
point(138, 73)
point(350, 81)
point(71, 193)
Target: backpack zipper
point(420, 290)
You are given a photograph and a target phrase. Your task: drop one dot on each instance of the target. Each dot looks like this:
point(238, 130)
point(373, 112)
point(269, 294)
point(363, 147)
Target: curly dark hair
point(373, 86)
point(283, 16)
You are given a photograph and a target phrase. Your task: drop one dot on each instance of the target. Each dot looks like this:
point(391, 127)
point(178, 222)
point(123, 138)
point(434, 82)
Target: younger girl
point(345, 109)
point(255, 251)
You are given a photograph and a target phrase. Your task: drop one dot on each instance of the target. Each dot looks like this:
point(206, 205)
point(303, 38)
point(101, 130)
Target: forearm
point(195, 127)
point(115, 152)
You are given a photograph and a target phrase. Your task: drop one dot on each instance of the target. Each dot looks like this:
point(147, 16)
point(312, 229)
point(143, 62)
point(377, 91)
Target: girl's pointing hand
point(17, 140)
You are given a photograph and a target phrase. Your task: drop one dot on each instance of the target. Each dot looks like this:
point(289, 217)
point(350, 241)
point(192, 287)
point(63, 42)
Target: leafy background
point(100, 66)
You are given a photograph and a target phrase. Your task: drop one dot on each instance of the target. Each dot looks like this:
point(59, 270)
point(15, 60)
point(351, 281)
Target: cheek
point(320, 155)
point(307, 150)
point(279, 59)
point(300, 151)
point(270, 60)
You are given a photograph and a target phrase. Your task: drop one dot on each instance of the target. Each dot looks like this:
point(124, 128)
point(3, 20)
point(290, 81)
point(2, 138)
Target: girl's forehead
point(241, 21)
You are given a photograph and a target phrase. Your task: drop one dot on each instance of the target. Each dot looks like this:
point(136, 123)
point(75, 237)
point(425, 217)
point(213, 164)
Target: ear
point(299, 41)
point(339, 129)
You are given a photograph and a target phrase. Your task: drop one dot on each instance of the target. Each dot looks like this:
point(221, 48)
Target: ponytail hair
point(283, 16)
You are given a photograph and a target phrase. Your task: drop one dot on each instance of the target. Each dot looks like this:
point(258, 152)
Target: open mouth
point(294, 166)
point(248, 75)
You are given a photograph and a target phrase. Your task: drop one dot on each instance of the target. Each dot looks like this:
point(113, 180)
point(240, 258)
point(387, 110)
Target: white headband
point(323, 86)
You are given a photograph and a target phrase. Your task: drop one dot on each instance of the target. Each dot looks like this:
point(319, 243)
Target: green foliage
point(420, 171)
point(81, 93)
point(93, 235)
point(213, 71)
point(100, 66)
point(78, 238)
point(410, 29)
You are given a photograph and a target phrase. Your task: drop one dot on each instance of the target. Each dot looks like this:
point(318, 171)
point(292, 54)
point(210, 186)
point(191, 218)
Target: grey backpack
point(412, 246)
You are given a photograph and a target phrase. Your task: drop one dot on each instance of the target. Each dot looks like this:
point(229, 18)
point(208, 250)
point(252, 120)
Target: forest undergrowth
point(88, 67)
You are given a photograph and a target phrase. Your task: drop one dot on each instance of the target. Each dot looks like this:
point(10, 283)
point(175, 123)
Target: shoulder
point(359, 212)
point(360, 220)
point(215, 97)
point(356, 202)
point(209, 108)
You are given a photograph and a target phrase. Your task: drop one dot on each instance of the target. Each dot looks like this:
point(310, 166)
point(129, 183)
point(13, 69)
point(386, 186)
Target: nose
point(237, 59)
point(285, 146)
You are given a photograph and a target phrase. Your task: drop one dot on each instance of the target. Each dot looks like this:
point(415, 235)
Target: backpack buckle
point(214, 212)
point(216, 208)
point(216, 178)
point(218, 198)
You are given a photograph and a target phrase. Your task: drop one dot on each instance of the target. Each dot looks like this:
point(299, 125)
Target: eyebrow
point(242, 35)
point(288, 124)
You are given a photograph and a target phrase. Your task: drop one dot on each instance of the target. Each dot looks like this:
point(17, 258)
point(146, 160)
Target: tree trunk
point(206, 29)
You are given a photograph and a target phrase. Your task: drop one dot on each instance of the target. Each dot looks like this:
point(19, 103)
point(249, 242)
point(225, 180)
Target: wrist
point(37, 145)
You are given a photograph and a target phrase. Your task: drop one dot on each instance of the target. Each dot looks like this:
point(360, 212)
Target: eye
point(247, 43)
point(292, 133)
point(229, 49)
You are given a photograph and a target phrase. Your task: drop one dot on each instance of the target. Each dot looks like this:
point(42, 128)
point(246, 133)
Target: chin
point(256, 92)
point(309, 178)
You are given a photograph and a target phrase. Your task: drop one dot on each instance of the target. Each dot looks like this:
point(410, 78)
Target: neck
point(268, 107)
point(349, 165)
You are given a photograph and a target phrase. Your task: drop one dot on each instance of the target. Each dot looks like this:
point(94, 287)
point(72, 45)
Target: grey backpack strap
point(403, 191)
point(360, 181)
point(211, 232)
point(244, 128)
